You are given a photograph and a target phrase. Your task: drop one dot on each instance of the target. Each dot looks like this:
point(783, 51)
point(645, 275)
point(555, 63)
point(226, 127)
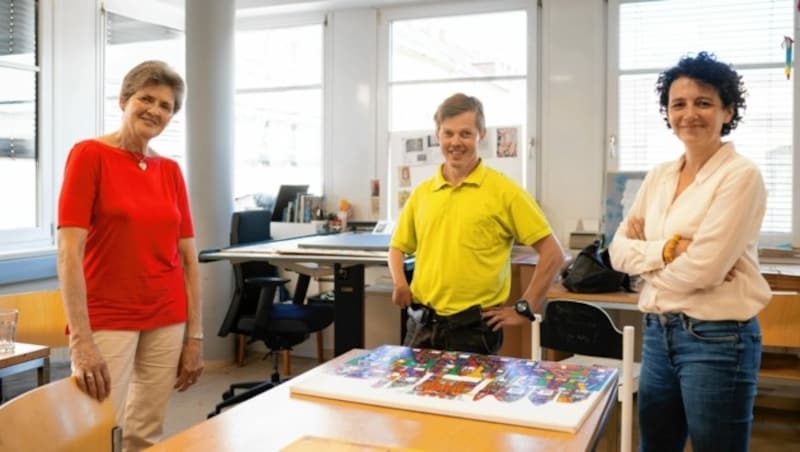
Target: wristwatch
point(524, 309)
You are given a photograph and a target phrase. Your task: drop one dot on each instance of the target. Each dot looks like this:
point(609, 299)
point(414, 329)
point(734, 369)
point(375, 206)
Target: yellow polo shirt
point(462, 237)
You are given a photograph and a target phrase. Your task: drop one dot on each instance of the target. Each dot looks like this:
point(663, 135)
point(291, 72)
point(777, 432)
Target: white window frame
point(530, 176)
point(612, 117)
point(259, 20)
point(39, 240)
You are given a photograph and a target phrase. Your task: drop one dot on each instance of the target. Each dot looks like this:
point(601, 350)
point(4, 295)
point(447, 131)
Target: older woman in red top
point(127, 261)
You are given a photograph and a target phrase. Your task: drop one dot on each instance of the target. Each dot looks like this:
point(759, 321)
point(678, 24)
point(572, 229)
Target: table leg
point(348, 317)
point(43, 373)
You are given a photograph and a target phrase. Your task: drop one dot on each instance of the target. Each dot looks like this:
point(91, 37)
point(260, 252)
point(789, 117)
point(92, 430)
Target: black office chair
point(253, 312)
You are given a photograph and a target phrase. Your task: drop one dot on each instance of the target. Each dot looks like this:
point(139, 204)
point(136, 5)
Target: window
point(434, 53)
point(129, 42)
point(647, 37)
point(25, 222)
point(278, 112)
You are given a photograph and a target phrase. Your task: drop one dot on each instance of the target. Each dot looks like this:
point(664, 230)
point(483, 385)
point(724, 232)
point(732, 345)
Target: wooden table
point(276, 419)
point(26, 357)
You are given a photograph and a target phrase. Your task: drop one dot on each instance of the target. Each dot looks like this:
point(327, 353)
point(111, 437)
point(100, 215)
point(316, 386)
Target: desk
point(779, 320)
point(348, 274)
point(26, 357)
point(276, 418)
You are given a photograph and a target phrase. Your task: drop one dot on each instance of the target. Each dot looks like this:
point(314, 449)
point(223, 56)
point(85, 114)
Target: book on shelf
point(307, 208)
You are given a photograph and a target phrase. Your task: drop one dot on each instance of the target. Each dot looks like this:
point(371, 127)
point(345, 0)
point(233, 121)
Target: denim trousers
point(698, 379)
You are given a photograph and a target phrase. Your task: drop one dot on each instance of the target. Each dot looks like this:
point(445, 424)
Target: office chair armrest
point(266, 281)
point(269, 285)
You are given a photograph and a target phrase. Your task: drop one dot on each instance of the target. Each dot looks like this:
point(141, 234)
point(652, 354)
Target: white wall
point(573, 111)
point(351, 89)
point(75, 78)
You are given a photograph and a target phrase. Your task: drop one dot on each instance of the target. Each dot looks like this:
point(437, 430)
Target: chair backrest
point(582, 328)
point(586, 329)
point(252, 226)
point(58, 417)
point(249, 226)
point(41, 320)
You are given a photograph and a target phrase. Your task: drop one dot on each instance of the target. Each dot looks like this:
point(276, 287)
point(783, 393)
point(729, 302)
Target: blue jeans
point(698, 378)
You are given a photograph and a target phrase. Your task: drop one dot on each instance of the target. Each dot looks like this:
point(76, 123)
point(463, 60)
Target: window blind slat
point(18, 31)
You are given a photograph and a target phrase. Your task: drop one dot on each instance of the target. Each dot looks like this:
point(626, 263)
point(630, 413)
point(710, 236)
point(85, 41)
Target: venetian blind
point(653, 35)
point(18, 74)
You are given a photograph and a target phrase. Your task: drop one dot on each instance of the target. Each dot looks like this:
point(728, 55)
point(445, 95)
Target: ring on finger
point(89, 377)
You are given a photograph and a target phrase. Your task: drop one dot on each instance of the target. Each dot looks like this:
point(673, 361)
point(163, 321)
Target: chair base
point(232, 400)
point(251, 389)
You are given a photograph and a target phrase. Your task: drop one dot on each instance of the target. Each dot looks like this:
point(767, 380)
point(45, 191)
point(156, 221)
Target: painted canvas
point(621, 189)
point(543, 394)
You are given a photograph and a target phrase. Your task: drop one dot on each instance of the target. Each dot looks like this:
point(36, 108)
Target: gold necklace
point(140, 160)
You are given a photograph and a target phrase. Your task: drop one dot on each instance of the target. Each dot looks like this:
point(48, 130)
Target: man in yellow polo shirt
point(461, 225)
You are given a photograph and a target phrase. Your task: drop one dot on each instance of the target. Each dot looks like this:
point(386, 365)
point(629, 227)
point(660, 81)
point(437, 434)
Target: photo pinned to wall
point(402, 197)
point(375, 207)
point(374, 187)
point(432, 141)
point(415, 153)
point(621, 189)
point(486, 145)
point(414, 144)
point(404, 176)
point(507, 142)
point(375, 198)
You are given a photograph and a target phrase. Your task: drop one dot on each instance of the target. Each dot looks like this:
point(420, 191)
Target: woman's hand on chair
point(191, 364)
point(90, 369)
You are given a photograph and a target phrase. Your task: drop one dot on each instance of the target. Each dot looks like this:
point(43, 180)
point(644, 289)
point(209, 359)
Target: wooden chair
point(42, 319)
point(58, 417)
point(588, 332)
point(780, 362)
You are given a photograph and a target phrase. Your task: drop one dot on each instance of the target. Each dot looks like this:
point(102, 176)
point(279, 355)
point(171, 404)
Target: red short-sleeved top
point(133, 270)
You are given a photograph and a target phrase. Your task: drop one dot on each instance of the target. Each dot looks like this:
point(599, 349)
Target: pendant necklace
point(140, 159)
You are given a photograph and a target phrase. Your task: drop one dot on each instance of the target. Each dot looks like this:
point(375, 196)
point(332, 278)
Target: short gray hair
point(153, 73)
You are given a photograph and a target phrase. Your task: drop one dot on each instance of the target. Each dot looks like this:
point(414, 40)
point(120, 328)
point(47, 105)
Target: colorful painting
point(541, 394)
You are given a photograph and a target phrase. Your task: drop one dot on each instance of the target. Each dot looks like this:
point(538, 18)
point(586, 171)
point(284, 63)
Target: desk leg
point(43, 373)
point(348, 317)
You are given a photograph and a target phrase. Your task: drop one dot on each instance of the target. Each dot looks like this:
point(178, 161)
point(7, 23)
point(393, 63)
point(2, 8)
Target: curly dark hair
point(707, 69)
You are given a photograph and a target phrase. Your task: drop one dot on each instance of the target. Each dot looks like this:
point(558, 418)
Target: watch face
point(523, 308)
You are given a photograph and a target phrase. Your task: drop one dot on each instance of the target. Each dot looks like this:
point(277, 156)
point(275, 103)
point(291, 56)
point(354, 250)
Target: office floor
point(773, 430)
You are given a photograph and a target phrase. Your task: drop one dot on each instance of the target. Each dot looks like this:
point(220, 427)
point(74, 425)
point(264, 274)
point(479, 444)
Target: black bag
point(591, 272)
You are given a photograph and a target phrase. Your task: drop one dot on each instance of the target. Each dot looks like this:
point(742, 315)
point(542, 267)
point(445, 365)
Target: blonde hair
point(457, 104)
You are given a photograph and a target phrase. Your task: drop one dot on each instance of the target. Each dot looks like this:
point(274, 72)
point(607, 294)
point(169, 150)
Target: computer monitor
point(286, 194)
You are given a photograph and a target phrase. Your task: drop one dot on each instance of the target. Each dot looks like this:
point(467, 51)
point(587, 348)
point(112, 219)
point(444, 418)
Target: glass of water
point(8, 329)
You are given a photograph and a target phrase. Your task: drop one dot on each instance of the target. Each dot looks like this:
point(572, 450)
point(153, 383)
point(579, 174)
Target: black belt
point(470, 316)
